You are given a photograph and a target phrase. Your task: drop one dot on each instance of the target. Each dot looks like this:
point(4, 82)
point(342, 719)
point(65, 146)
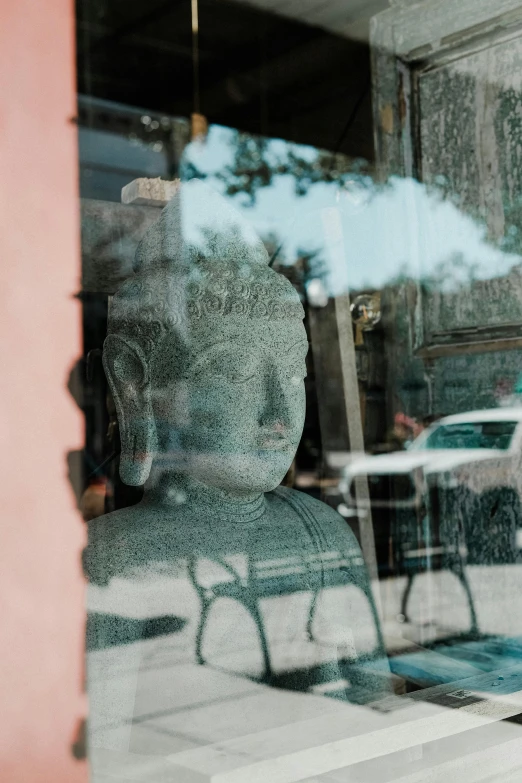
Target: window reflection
point(407, 268)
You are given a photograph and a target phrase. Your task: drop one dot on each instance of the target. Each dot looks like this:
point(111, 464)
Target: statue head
point(205, 352)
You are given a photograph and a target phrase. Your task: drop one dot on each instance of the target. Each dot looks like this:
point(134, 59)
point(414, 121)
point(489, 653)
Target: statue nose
point(276, 414)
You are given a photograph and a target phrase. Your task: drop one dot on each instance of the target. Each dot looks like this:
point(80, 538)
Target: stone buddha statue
point(220, 574)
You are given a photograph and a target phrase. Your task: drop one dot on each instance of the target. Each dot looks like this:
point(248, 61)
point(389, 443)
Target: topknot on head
point(198, 225)
point(200, 259)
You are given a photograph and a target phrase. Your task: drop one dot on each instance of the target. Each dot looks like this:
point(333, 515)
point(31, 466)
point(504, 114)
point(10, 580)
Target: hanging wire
point(195, 54)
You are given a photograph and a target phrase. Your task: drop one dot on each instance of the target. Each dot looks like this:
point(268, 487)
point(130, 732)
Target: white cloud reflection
point(400, 229)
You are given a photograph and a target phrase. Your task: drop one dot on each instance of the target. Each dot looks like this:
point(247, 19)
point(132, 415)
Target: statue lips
point(276, 444)
point(276, 441)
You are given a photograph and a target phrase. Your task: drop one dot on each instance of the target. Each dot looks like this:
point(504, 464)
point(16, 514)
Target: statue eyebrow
point(213, 348)
point(304, 344)
point(224, 344)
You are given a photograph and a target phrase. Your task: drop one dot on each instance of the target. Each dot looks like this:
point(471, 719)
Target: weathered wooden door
point(448, 113)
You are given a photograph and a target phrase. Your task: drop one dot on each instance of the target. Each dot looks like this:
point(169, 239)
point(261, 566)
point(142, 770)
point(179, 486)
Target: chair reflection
point(275, 578)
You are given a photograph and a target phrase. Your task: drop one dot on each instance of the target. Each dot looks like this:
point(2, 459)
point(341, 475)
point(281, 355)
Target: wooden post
point(335, 243)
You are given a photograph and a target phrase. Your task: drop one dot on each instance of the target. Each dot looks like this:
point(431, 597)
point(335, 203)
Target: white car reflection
point(466, 468)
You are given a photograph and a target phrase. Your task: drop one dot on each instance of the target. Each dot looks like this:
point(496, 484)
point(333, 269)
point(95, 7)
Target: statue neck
point(179, 491)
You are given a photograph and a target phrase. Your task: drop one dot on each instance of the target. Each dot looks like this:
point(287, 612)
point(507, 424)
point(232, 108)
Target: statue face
point(236, 407)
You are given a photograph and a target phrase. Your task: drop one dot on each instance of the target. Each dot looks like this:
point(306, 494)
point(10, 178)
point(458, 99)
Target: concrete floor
point(150, 700)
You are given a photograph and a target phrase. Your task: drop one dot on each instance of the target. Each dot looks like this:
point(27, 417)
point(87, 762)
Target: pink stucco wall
point(41, 534)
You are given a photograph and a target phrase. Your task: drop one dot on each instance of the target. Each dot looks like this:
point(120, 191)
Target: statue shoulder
point(333, 537)
point(111, 539)
point(107, 526)
point(119, 517)
point(329, 522)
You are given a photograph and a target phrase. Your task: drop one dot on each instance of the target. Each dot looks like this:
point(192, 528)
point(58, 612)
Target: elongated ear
point(128, 376)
